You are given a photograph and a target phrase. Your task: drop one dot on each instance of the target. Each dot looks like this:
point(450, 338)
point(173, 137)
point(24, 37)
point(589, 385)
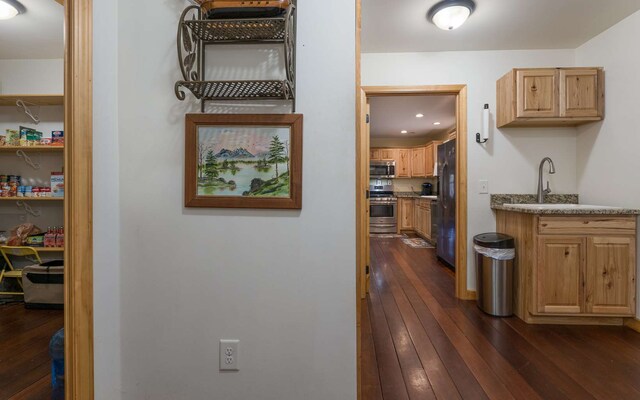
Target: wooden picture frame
point(239, 161)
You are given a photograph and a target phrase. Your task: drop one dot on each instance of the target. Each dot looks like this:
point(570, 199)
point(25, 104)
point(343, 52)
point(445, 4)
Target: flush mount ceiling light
point(403, 132)
point(451, 14)
point(11, 8)
point(419, 115)
point(436, 123)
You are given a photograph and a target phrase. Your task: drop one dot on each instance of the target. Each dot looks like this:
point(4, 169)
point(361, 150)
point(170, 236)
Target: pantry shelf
point(35, 99)
point(31, 198)
point(239, 30)
point(49, 249)
point(44, 149)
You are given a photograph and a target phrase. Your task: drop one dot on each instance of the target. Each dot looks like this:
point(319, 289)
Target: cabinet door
point(429, 160)
point(426, 223)
point(559, 282)
point(374, 155)
point(537, 93)
point(417, 223)
point(418, 162)
point(388, 154)
point(406, 214)
point(610, 275)
point(403, 163)
point(579, 93)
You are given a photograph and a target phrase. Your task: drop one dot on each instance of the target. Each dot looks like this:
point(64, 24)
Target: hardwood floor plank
point(391, 379)
point(40, 390)
point(415, 378)
point(437, 373)
point(490, 382)
point(371, 389)
point(482, 356)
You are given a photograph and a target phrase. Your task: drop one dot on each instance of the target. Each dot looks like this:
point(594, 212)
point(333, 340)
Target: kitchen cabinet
point(550, 97)
point(431, 158)
point(418, 162)
point(403, 163)
point(406, 213)
point(423, 218)
point(375, 155)
point(572, 269)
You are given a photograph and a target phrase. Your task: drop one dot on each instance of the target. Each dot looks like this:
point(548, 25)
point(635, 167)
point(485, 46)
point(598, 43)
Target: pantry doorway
point(78, 122)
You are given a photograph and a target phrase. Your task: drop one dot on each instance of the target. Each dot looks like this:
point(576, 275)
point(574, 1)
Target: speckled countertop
point(412, 195)
point(565, 206)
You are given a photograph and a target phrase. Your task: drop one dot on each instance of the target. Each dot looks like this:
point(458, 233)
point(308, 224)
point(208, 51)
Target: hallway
point(419, 342)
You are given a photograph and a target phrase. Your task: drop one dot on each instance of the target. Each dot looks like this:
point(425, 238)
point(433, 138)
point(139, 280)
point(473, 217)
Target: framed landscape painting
point(243, 161)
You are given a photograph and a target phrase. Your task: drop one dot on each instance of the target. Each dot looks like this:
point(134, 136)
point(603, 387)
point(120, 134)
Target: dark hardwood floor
point(25, 366)
point(419, 342)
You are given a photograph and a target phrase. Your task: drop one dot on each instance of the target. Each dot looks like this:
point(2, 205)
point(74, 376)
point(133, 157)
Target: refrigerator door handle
point(444, 187)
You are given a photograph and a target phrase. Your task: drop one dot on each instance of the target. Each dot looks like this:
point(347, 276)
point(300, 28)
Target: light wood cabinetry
point(423, 218)
point(406, 214)
point(550, 97)
point(558, 276)
point(375, 155)
point(572, 269)
point(403, 163)
point(388, 154)
point(418, 162)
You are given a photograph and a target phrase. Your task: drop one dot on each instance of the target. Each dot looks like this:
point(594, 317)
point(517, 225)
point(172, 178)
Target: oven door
point(383, 216)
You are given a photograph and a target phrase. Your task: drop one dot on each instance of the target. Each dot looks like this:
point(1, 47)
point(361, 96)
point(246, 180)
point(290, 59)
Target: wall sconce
point(485, 126)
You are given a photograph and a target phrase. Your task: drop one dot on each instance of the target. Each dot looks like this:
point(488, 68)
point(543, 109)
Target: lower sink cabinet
point(573, 269)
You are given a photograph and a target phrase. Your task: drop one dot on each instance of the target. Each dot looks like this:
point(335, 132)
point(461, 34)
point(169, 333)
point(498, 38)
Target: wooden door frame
point(78, 205)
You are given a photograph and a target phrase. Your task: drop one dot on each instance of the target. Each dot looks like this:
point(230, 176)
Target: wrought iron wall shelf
point(195, 33)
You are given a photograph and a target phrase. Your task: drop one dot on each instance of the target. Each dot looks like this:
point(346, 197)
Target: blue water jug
point(56, 351)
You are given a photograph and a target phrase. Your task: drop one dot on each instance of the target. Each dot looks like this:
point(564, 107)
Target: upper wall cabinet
point(550, 97)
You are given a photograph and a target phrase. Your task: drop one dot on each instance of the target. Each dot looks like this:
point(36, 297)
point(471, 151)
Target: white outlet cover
point(229, 354)
point(484, 187)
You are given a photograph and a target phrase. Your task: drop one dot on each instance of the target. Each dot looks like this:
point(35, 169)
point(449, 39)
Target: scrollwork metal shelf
point(195, 33)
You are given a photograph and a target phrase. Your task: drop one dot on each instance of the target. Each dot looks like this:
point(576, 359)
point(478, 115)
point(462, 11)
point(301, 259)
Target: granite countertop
point(555, 204)
point(412, 195)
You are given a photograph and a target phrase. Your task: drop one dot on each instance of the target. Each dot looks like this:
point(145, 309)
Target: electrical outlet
point(484, 187)
point(229, 355)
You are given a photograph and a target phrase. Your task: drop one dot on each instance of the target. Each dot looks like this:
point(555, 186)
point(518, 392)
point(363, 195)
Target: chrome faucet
point(552, 170)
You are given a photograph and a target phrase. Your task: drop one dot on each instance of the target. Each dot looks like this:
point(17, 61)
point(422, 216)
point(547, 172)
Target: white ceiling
point(392, 114)
point(402, 26)
point(38, 33)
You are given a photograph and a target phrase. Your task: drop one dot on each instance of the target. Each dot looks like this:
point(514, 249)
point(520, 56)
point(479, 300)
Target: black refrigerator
point(446, 243)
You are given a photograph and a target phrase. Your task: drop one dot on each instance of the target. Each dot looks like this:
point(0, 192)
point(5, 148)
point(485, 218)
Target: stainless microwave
point(382, 169)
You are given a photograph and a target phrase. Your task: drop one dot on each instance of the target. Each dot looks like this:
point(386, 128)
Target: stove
point(383, 208)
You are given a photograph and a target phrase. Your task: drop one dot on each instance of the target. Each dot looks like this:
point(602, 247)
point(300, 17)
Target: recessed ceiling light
point(419, 115)
point(436, 123)
point(403, 132)
point(451, 14)
point(10, 8)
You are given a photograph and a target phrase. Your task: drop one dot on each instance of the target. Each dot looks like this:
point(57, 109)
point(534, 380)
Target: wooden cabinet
point(550, 97)
point(580, 93)
point(418, 162)
point(388, 154)
point(610, 275)
point(403, 163)
point(375, 155)
point(431, 158)
point(423, 218)
point(573, 269)
point(559, 275)
point(406, 214)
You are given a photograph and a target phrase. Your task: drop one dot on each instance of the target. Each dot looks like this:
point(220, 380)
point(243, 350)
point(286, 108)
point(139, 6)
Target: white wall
point(510, 159)
point(283, 282)
point(608, 161)
point(106, 203)
point(32, 76)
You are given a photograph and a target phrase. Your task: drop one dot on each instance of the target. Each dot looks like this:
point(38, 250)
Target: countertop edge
point(620, 211)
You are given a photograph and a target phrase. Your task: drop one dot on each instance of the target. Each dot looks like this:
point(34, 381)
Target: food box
point(57, 138)
point(12, 137)
point(57, 184)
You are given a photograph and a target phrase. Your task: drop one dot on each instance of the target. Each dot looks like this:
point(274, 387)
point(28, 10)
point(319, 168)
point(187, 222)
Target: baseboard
point(632, 323)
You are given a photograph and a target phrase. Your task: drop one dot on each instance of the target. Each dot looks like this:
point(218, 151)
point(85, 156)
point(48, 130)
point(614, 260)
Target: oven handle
point(382, 203)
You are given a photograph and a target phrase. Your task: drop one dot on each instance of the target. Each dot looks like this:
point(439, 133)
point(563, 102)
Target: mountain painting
point(252, 161)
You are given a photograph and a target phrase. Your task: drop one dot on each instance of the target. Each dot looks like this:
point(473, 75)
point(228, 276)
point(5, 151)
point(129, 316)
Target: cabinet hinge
point(366, 270)
point(368, 118)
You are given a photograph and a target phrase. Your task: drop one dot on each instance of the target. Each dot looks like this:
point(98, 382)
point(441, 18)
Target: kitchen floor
point(25, 365)
point(419, 342)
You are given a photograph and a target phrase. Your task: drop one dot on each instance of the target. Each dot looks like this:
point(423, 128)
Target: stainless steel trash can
point(494, 273)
